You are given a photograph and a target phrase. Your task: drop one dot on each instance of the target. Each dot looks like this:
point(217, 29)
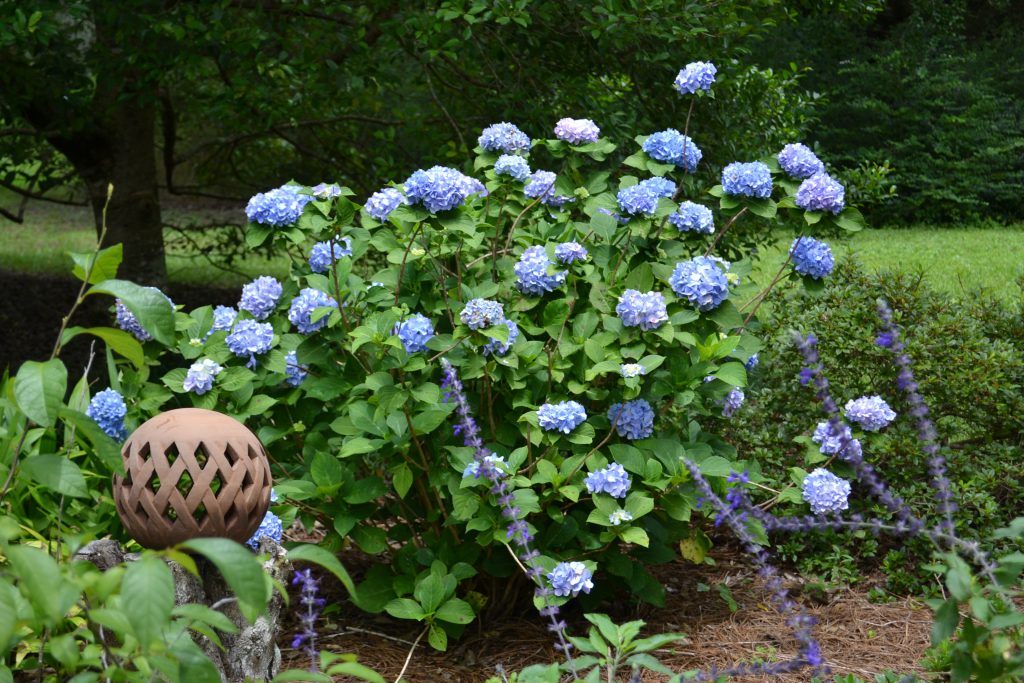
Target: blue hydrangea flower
point(829, 445)
point(320, 260)
point(475, 468)
point(277, 208)
point(701, 281)
point(326, 191)
point(747, 180)
point(382, 202)
point(561, 417)
point(733, 402)
point(127, 321)
point(294, 373)
point(870, 412)
point(107, 409)
point(270, 528)
point(612, 480)
point(633, 419)
point(542, 184)
point(617, 517)
point(260, 297)
point(577, 131)
point(751, 362)
point(512, 165)
point(250, 338)
point(199, 378)
point(415, 331)
point(821, 193)
point(629, 370)
point(695, 76)
point(672, 147)
point(825, 492)
point(223, 319)
point(570, 578)
point(645, 310)
point(690, 217)
point(532, 275)
point(659, 187)
point(811, 257)
point(799, 161)
point(480, 313)
point(301, 310)
point(638, 199)
point(500, 348)
point(440, 188)
point(504, 137)
point(568, 252)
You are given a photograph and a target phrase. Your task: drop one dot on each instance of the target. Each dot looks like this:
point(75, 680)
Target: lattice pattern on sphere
point(192, 473)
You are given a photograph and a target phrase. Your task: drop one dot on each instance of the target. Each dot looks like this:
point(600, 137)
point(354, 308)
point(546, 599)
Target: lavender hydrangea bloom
point(645, 310)
point(695, 76)
point(320, 260)
point(733, 402)
point(475, 468)
point(504, 137)
point(672, 147)
point(690, 217)
point(532, 275)
point(570, 578)
point(326, 191)
point(223, 318)
point(382, 202)
point(561, 417)
point(637, 199)
point(480, 313)
point(277, 208)
point(270, 528)
point(542, 184)
point(701, 281)
point(500, 348)
point(415, 331)
point(617, 517)
point(633, 419)
point(830, 445)
point(107, 409)
point(513, 166)
point(629, 370)
point(301, 310)
point(577, 131)
point(568, 252)
point(870, 412)
point(825, 492)
point(811, 257)
point(293, 372)
point(659, 187)
point(250, 338)
point(440, 188)
point(612, 480)
point(799, 161)
point(752, 179)
point(821, 193)
point(260, 297)
point(127, 321)
point(199, 378)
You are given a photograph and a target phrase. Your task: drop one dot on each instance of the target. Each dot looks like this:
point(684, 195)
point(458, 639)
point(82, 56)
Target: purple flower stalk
point(311, 605)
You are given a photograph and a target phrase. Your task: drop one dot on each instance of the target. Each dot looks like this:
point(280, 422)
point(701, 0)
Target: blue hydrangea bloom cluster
point(542, 184)
point(830, 445)
point(475, 468)
point(532, 275)
point(870, 412)
point(320, 260)
point(440, 188)
point(733, 402)
point(612, 480)
point(250, 338)
point(672, 147)
point(293, 371)
point(825, 492)
point(701, 281)
point(326, 191)
point(577, 131)
point(659, 187)
point(415, 331)
point(107, 409)
point(752, 362)
point(270, 528)
point(638, 199)
point(617, 517)
point(301, 310)
point(570, 578)
point(223, 319)
point(513, 166)
point(504, 137)
point(799, 161)
point(480, 313)
point(695, 76)
point(277, 208)
point(821, 193)
point(127, 321)
point(260, 297)
point(500, 348)
point(382, 202)
point(199, 378)
point(645, 310)
point(811, 257)
point(633, 419)
point(629, 370)
point(561, 417)
point(752, 179)
point(690, 217)
point(569, 252)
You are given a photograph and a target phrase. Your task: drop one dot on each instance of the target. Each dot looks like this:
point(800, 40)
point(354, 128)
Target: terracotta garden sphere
point(192, 473)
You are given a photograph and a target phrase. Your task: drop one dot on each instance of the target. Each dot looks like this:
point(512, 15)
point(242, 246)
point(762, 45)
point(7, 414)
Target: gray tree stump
point(249, 655)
